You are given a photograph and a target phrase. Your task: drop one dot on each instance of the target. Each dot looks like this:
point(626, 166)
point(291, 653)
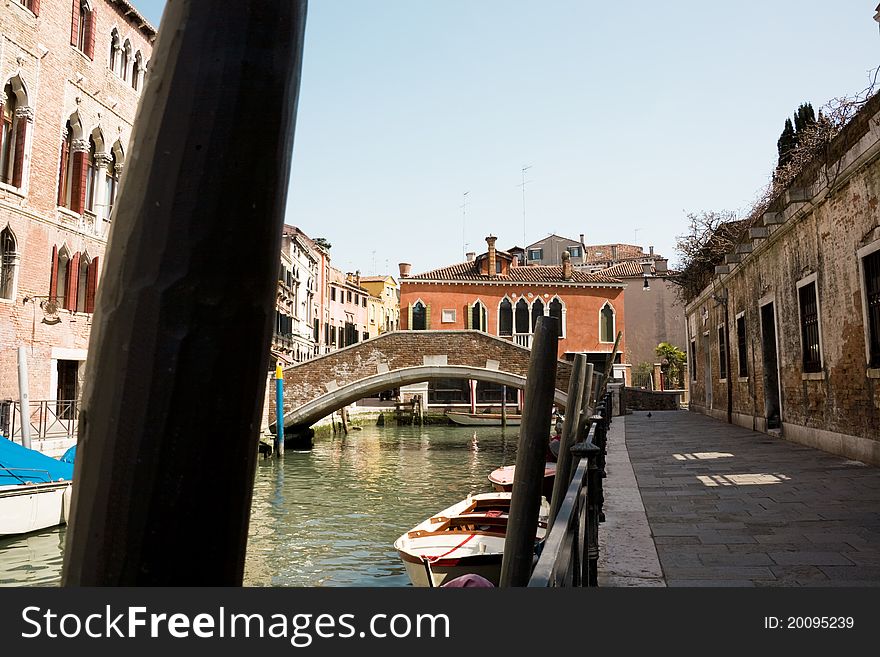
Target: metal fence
point(49, 418)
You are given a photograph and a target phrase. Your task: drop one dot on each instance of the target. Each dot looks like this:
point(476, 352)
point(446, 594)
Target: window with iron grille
point(871, 268)
point(809, 305)
point(741, 346)
point(722, 354)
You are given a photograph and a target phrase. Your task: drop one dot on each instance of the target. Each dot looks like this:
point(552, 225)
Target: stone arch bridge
point(317, 387)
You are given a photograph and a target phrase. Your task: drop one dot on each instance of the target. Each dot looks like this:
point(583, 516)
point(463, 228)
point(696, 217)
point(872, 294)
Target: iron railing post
point(589, 558)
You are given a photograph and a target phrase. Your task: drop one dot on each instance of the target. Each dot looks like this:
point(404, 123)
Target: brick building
point(786, 338)
point(72, 74)
point(493, 293)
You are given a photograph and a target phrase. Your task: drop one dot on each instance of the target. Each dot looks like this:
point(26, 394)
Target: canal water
point(330, 516)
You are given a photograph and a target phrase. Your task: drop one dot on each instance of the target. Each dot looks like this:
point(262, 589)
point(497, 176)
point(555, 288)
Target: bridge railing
point(570, 551)
point(49, 418)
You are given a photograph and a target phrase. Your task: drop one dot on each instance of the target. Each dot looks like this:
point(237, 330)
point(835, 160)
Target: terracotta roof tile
point(467, 271)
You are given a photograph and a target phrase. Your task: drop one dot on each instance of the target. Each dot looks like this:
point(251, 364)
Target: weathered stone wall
point(400, 349)
point(636, 399)
point(837, 409)
point(653, 316)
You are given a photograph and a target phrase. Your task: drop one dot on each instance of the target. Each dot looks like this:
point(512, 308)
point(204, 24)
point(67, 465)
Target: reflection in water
point(32, 559)
point(329, 516)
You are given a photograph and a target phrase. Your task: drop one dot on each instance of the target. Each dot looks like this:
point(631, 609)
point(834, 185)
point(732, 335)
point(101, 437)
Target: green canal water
point(329, 516)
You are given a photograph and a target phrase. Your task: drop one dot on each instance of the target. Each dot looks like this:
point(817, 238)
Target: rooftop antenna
point(636, 236)
point(523, 185)
point(463, 214)
point(374, 260)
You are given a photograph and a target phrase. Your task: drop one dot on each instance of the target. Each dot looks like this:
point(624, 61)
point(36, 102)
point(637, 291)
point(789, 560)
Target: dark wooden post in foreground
point(569, 433)
point(534, 436)
point(179, 352)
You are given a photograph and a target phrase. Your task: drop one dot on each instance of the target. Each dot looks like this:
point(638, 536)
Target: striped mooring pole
point(279, 410)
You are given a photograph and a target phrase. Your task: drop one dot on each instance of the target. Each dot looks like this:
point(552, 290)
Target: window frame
point(723, 356)
point(608, 305)
point(742, 347)
point(447, 316)
point(540, 253)
point(811, 279)
point(9, 264)
point(872, 361)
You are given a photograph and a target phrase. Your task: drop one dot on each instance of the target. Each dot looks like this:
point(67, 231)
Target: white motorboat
point(468, 537)
point(35, 490)
point(483, 419)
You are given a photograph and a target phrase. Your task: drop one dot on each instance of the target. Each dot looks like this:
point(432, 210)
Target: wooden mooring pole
point(569, 433)
point(179, 348)
point(534, 436)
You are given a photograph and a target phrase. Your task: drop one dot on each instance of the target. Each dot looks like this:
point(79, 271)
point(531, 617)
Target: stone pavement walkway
point(731, 507)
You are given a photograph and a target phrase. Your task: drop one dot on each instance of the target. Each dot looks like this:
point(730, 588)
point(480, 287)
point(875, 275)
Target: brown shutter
point(20, 138)
point(53, 277)
point(90, 33)
point(35, 7)
point(62, 172)
point(78, 182)
point(72, 280)
point(91, 286)
point(74, 23)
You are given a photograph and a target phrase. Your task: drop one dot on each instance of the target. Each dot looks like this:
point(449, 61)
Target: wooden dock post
point(569, 433)
point(525, 503)
point(503, 406)
point(180, 339)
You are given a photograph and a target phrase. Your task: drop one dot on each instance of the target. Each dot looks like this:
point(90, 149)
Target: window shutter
point(74, 23)
point(35, 7)
point(470, 316)
point(72, 280)
point(62, 172)
point(427, 317)
point(53, 276)
point(78, 182)
point(91, 286)
point(90, 33)
point(20, 137)
point(409, 317)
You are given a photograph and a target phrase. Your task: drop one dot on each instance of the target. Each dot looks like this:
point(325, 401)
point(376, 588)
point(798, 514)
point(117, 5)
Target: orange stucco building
point(494, 293)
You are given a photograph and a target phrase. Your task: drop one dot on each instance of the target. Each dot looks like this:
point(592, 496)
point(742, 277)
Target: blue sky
point(630, 115)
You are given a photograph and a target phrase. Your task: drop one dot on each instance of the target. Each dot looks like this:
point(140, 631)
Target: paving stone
point(810, 558)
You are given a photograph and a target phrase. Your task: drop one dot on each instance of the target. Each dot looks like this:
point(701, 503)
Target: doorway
point(772, 405)
point(707, 353)
point(68, 389)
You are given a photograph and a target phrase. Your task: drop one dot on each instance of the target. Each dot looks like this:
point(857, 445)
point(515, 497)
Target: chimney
point(614, 252)
point(357, 277)
point(582, 239)
point(650, 250)
point(404, 269)
point(566, 266)
point(470, 255)
point(514, 262)
point(660, 265)
point(491, 242)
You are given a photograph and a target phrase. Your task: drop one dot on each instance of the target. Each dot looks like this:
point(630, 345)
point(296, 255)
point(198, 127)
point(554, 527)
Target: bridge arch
point(338, 398)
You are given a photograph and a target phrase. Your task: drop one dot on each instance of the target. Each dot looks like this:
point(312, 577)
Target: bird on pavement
point(649, 413)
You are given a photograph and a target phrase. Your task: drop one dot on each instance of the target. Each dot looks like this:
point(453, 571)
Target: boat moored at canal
point(466, 538)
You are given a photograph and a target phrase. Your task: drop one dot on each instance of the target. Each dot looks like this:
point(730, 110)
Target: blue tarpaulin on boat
point(69, 455)
point(19, 464)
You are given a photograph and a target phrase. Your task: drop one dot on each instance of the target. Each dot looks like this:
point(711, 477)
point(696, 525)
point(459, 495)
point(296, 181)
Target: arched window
point(62, 277)
point(82, 282)
point(112, 181)
point(82, 32)
point(137, 71)
point(91, 176)
point(556, 310)
point(522, 317)
point(125, 60)
point(419, 317)
point(505, 317)
point(606, 323)
point(64, 171)
point(115, 46)
point(8, 260)
point(13, 136)
point(478, 317)
point(537, 311)
point(7, 137)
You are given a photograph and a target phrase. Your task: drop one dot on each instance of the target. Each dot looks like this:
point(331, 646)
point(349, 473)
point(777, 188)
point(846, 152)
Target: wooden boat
point(502, 478)
point(482, 419)
point(467, 537)
point(35, 490)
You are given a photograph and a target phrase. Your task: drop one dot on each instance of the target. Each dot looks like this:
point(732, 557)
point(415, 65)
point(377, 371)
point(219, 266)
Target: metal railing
point(523, 340)
point(570, 553)
point(49, 418)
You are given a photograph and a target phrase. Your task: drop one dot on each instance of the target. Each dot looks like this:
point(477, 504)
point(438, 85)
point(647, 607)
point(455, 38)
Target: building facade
point(549, 250)
point(508, 302)
point(297, 317)
point(384, 302)
point(786, 338)
point(72, 75)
